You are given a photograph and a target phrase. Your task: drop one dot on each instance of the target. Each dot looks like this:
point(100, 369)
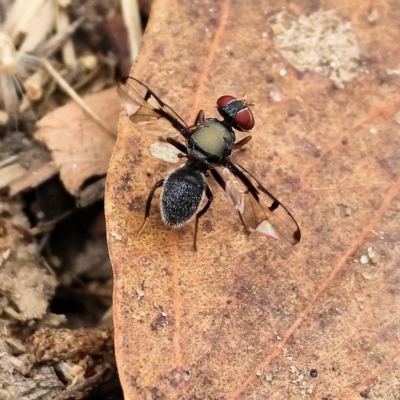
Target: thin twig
point(71, 92)
point(131, 15)
point(8, 161)
point(48, 48)
point(48, 225)
point(68, 51)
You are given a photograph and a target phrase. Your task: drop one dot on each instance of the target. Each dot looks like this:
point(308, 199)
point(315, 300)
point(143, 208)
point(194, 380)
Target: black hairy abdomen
point(179, 201)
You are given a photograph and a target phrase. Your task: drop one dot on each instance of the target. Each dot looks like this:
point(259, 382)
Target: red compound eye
point(235, 112)
point(223, 101)
point(244, 119)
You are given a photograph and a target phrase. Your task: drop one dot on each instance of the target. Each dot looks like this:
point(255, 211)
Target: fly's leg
point(241, 143)
point(199, 119)
point(246, 228)
point(148, 204)
point(190, 130)
point(218, 179)
point(201, 213)
point(222, 183)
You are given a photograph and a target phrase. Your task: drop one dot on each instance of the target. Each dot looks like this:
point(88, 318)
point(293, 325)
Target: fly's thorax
point(212, 138)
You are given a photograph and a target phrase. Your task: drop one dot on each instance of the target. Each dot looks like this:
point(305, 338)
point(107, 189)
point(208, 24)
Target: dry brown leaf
point(25, 281)
point(32, 178)
point(18, 378)
point(10, 173)
point(80, 148)
point(72, 345)
point(247, 317)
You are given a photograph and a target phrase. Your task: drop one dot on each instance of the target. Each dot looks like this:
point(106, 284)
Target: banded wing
point(145, 108)
point(259, 209)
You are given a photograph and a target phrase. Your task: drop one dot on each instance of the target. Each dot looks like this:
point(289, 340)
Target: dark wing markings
point(145, 108)
point(260, 210)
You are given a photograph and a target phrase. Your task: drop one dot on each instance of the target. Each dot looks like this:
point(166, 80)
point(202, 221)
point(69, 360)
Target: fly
point(208, 145)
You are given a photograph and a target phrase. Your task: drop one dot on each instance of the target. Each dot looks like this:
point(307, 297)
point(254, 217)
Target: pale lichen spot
point(165, 152)
point(320, 42)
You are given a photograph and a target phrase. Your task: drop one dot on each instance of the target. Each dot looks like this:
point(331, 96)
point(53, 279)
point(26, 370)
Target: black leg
point(201, 213)
point(181, 147)
point(218, 178)
point(148, 204)
point(241, 143)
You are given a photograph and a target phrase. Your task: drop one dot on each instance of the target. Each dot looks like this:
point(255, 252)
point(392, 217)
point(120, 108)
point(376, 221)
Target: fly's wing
point(145, 108)
point(259, 209)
